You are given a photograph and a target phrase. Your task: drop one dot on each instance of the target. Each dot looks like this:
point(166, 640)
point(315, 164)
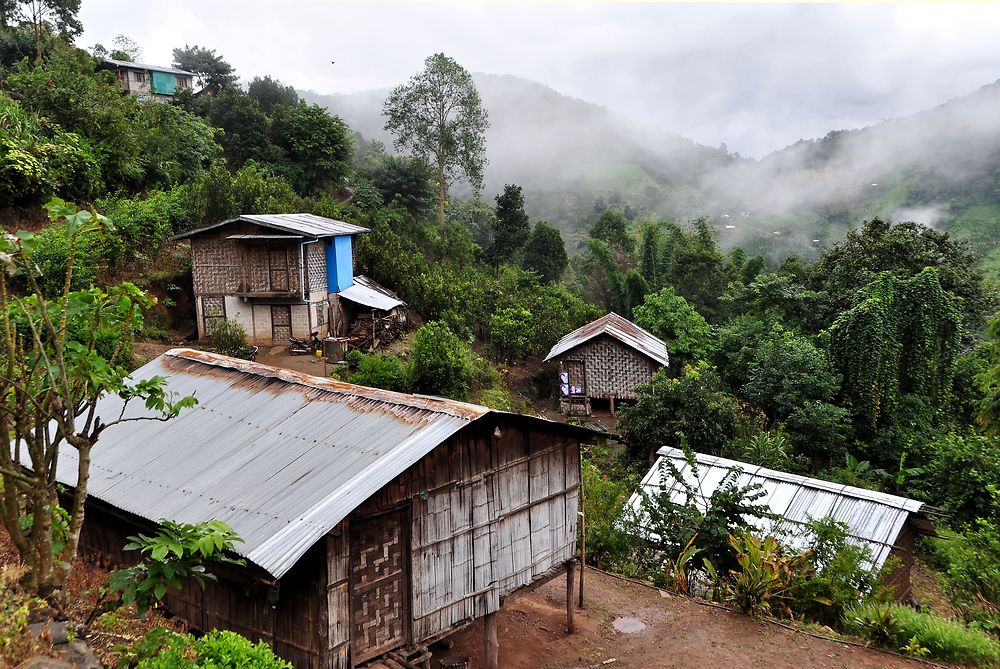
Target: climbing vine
point(900, 337)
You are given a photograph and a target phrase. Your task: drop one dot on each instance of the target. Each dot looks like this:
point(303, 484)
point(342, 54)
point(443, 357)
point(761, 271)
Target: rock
point(43, 662)
point(57, 630)
point(78, 654)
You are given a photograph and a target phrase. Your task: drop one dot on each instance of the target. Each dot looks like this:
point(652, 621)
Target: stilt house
point(886, 524)
point(605, 360)
point(372, 521)
point(281, 276)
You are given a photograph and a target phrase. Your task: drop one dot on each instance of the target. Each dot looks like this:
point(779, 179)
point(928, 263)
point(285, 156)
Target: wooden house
point(372, 521)
point(605, 360)
point(149, 82)
point(886, 524)
point(279, 276)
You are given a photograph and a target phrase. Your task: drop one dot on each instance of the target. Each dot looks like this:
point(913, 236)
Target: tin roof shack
point(376, 314)
point(605, 359)
point(371, 520)
point(885, 523)
point(278, 275)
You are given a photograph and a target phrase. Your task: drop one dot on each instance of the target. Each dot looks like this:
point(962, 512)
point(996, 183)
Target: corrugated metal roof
point(621, 329)
point(309, 225)
point(279, 455)
point(371, 294)
point(872, 518)
point(146, 66)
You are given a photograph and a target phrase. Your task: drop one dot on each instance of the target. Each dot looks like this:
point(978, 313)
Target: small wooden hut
point(373, 522)
point(605, 360)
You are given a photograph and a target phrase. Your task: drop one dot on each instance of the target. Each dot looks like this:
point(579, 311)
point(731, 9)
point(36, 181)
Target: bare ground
point(677, 632)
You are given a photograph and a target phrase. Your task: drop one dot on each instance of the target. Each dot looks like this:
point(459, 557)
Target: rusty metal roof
point(621, 329)
point(872, 518)
point(279, 455)
point(309, 225)
point(369, 293)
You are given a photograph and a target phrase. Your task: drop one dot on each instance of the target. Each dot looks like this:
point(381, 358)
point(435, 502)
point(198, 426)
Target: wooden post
point(492, 657)
point(569, 595)
point(583, 541)
point(612, 406)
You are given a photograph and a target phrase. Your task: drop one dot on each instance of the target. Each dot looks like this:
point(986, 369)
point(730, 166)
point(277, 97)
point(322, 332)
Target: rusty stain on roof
point(621, 329)
point(280, 455)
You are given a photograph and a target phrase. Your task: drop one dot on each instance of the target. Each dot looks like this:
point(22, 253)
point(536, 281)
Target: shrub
point(970, 561)
point(379, 371)
point(442, 363)
point(177, 552)
point(900, 628)
point(16, 642)
point(690, 409)
point(511, 331)
point(765, 577)
point(607, 486)
point(841, 574)
point(228, 338)
point(219, 649)
point(963, 475)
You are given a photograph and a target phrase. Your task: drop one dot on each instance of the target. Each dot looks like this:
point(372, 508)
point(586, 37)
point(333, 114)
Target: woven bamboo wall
point(498, 513)
point(613, 369)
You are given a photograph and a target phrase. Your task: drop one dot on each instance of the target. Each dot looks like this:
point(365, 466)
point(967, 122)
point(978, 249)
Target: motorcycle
point(301, 346)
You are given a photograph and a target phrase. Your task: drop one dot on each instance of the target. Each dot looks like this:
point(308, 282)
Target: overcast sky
point(757, 77)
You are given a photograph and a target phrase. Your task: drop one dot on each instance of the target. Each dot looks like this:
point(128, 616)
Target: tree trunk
point(441, 196)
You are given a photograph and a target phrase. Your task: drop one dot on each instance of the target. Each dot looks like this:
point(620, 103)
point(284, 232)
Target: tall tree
point(42, 15)
point(612, 229)
point(271, 94)
point(545, 252)
point(904, 250)
point(213, 72)
point(511, 228)
point(438, 116)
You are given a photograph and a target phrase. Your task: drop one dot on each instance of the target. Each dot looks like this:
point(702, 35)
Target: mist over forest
point(937, 167)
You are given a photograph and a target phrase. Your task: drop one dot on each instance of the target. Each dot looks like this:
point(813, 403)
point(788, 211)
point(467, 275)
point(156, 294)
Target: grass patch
point(922, 635)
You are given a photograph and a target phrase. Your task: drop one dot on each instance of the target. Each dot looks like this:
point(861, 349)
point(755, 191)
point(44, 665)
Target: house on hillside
point(149, 82)
point(281, 276)
point(886, 524)
point(605, 360)
point(373, 522)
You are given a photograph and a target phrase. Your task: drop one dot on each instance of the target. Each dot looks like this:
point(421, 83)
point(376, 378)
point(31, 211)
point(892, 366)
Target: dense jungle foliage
point(877, 365)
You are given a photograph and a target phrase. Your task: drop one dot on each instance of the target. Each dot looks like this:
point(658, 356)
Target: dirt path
point(664, 631)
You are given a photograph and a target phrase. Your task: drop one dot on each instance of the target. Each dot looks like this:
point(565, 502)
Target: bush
point(903, 629)
point(228, 338)
point(670, 412)
point(841, 576)
point(765, 576)
point(376, 370)
point(219, 649)
point(442, 363)
point(16, 642)
point(970, 561)
point(607, 486)
point(963, 475)
point(511, 333)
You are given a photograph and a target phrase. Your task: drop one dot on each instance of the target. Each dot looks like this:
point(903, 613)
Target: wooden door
point(281, 324)
point(278, 261)
point(380, 589)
